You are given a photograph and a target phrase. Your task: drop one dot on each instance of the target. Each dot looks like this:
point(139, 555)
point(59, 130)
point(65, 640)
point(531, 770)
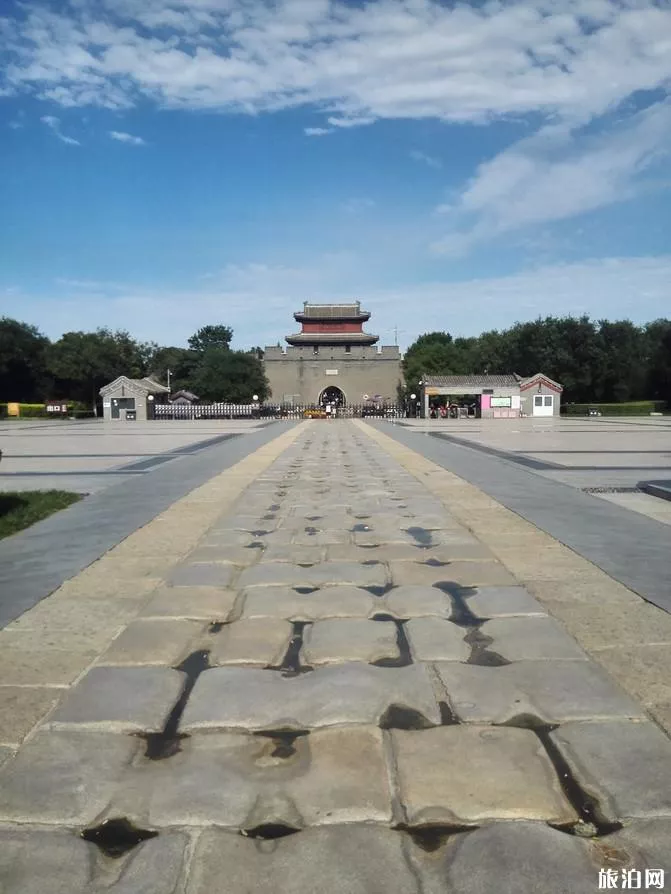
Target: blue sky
point(165, 164)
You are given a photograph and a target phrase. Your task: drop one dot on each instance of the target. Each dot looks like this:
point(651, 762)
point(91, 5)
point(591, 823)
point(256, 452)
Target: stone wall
point(299, 375)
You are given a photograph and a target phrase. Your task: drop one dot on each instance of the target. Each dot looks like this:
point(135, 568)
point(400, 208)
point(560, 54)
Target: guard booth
point(131, 400)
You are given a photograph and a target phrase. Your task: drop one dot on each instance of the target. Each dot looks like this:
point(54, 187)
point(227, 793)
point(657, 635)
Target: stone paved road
point(339, 689)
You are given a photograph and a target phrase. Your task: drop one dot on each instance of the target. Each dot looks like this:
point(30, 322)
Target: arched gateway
point(334, 396)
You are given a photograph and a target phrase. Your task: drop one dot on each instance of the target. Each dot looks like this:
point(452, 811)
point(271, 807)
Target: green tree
point(657, 357)
point(434, 353)
point(621, 375)
point(231, 376)
point(180, 361)
point(23, 362)
point(211, 337)
point(85, 361)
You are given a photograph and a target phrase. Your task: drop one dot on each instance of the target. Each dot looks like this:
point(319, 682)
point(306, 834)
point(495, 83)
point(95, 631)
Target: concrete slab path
point(335, 666)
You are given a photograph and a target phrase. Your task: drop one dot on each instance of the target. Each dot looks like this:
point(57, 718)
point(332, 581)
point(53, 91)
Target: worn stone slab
point(526, 639)
point(466, 574)
point(551, 691)
point(5, 753)
point(354, 693)
point(646, 843)
point(208, 603)
point(60, 862)
point(166, 641)
point(22, 708)
point(504, 602)
point(221, 539)
point(259, 641)
point(417, 602)
point(65, 777)
point(469, 775)
point(244, 781)
point(203, 574)
point(121, 699)
point(360, 859)
point(232, 555)
point(514, 858)
point(284, 574)
point(321, 537)
point(296, 555)
point(625, 764)
point(285, 602)
point(349, 639)
point(57, 667)
point(434, 639)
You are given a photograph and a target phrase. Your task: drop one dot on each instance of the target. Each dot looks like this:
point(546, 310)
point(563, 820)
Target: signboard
point(57, 408)
point(501, 401)
point(13, 410)
point(516, 402)
point(331, 372)
point(432, 391)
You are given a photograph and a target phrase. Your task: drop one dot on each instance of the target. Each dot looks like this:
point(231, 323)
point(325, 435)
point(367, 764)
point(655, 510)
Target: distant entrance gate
point(332, 395)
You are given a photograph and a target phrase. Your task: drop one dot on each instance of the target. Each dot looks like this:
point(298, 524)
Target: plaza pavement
point(335, 666)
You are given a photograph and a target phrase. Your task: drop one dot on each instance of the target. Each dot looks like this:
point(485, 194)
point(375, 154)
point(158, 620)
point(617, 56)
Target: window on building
point(348, 349)
point(315, 350)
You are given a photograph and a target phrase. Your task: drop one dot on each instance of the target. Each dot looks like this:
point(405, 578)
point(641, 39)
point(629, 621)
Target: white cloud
point(258, 300)
point(317, 131)
point(429, 160)
point(126, 138)
point(54, 124)
point(384, 59)
point(553, 176)
point(356, 205)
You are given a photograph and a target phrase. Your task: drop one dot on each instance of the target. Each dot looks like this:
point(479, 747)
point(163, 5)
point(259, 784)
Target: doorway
point(543, 404)
point(333, 396)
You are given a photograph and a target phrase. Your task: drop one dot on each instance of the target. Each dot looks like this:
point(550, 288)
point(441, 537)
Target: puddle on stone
point(360, 528)
point(304, 591)
point(400, 717)
point(376, 590)
point(461, 615)
point(404, 658)
point(259, 533)
point(447, 715)
point(421, 535)
point(480, 654)
point(311, 531)
point(435, 563)
point(255, 544)
point(115, 837)
point(216, 627)
point(160, 746)
point(291, 663)
point(268, 516)
point(432, 837)
point(269, 831)
point(313, 517)
point(284, 740)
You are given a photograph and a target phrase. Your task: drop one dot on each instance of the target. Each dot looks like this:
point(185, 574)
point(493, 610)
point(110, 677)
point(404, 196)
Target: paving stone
point(229, 697)
point(417, 602)
point(122, 699)
point(221, 539)
point(504, 602)
point(512, 858)
point(645, 843)
point(465, 574)
point(243, 781)
point(57, 667)
point(261, 642)
point(331, 602)
point(296, 555)
point(75, 639)
point(338, 860)
point(209, 603)
point(203, 574)
point(58, 861)
point(5, 753)
point(63, 776)
point(349, 639)
point(281, 573)
point(552, 691)
point(625, 764)
point(233, 555)
point(519, 639)
point(21, 708)
point(146, 642)
point(321, 537)
point(433, 639)
point(468, 775)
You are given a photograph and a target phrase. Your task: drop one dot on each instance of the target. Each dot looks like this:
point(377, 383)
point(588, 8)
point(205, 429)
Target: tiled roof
point(474, 381)
point(331, 311)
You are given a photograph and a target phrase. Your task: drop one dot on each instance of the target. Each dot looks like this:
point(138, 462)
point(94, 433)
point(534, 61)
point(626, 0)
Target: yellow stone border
point(630, 637)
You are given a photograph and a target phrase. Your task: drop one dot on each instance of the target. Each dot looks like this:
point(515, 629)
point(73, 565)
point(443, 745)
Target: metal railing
point(276, 411)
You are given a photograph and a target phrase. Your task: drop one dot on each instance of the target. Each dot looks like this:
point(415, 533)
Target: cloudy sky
point(170, 163)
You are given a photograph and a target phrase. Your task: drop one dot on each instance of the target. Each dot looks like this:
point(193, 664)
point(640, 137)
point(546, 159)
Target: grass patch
point(21, 509)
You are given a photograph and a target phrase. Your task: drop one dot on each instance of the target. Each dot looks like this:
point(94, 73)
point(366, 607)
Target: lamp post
point(255, 398)
point(413, 398)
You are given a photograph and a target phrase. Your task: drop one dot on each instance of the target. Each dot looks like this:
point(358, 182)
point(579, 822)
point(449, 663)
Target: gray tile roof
point(472, 381)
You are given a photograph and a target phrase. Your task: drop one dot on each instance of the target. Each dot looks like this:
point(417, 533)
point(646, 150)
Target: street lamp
point(255, 398)
point(413, 398)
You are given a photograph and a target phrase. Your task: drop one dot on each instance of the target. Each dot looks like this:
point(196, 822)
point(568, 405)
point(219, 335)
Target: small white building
point(540, 395)
point(127, 399)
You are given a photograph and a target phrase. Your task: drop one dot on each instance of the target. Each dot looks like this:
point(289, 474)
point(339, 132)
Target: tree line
point(595, 361)
point(34, 369)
